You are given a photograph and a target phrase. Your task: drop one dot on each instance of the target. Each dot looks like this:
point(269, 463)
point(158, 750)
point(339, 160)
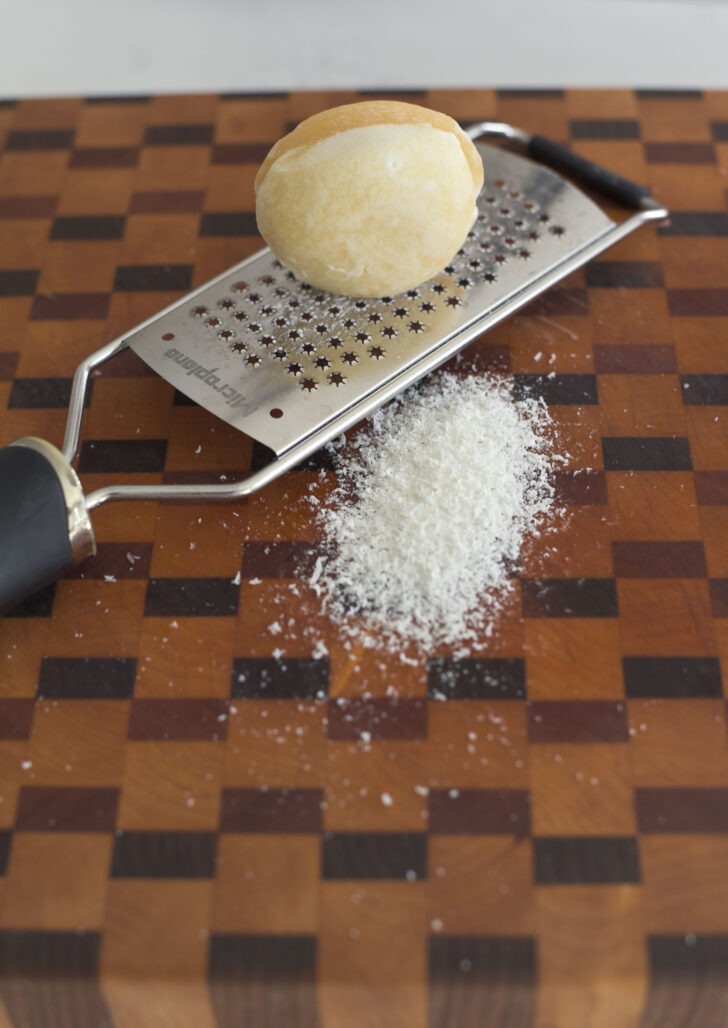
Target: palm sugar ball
point(369, 199)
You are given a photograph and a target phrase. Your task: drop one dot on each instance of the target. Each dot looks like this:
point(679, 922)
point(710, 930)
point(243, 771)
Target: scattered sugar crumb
point(320, 650)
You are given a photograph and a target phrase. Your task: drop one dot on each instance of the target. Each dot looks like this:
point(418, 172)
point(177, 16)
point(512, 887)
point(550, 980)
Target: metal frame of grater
point(294, 367)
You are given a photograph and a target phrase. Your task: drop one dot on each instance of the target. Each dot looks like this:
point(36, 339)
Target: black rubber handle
point(559, 157)
point(35, 547)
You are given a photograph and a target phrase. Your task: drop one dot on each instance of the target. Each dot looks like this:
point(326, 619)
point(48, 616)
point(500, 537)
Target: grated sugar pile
point(431, 511)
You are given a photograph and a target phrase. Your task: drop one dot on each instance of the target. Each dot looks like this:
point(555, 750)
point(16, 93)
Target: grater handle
point(44, 526)
point(559, 157)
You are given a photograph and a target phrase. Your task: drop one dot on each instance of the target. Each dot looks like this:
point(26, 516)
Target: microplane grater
point(293, 366)
point(279, 359)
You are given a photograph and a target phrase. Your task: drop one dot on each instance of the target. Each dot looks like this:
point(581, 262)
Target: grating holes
point(302, 324)
point(167, 336)
point(276, 412)
point(557, 230)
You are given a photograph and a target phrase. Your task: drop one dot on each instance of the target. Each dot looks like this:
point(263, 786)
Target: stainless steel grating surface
point(278, 358)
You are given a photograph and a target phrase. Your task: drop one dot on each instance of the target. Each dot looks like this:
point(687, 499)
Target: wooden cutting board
point(192, 825)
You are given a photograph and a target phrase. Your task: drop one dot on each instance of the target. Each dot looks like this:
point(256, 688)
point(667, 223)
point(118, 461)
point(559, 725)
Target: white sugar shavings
point(431, 512)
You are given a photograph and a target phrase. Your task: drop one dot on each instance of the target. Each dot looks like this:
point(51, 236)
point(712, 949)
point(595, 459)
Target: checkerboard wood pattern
point(196, 829)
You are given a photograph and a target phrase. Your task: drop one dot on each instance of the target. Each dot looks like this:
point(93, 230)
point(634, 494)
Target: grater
point(293, 367)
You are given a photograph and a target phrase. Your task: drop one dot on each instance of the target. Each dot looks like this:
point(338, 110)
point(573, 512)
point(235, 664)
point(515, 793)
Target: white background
point(57, 47)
